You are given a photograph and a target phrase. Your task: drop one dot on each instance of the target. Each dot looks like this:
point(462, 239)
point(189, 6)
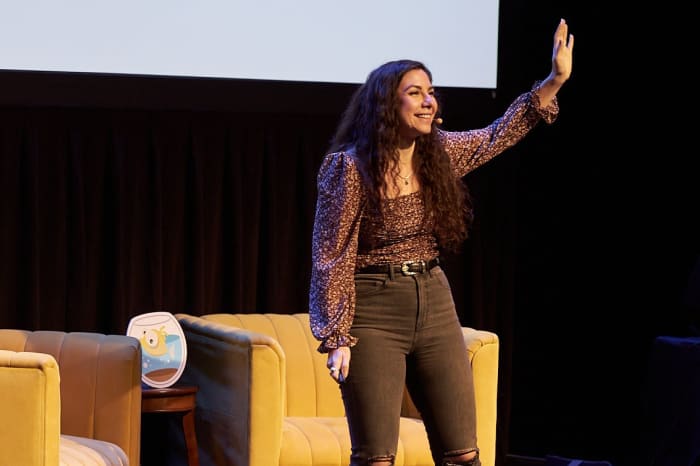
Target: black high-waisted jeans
point(408, 332)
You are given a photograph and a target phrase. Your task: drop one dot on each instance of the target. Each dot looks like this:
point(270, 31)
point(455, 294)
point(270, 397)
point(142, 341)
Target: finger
point(561, 32)
point(332, 361)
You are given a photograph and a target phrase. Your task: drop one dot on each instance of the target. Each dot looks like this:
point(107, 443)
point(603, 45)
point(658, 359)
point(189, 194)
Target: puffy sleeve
point(469, 150)
point(334, 250)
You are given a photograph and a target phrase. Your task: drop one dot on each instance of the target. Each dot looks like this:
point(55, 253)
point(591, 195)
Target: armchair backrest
point(100, 382)
point(309, 389)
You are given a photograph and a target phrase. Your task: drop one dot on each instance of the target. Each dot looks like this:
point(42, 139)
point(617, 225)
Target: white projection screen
point(304, 40)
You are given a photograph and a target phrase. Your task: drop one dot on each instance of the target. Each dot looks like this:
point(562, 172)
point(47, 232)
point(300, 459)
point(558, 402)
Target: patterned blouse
point(339, 244)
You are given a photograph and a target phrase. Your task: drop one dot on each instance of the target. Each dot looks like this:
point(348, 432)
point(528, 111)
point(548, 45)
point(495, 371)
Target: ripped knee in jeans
point(461, 458)
point(387, 460)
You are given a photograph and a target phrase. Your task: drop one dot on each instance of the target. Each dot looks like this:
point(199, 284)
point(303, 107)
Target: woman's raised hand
point(562, 53)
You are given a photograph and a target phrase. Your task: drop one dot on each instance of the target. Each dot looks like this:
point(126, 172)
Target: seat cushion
point(325, 441)
point(90, 452)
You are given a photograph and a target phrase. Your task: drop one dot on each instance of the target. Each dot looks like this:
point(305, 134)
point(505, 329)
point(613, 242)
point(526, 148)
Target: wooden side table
point(175, 399)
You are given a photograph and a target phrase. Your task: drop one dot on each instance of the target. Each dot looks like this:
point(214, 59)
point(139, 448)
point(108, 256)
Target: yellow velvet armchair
point(69, 399)
point(265, 397)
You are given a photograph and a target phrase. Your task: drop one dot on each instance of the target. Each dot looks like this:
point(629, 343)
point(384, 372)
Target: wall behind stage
point(123, 195)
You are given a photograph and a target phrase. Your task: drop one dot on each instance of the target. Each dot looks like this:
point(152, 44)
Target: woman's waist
point(406, 267)
point(418, 254)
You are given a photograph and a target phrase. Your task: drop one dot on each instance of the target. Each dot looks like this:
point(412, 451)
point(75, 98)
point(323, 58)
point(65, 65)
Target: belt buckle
point(405, 267)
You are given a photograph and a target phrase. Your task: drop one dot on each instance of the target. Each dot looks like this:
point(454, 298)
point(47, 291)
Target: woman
point(390, 198)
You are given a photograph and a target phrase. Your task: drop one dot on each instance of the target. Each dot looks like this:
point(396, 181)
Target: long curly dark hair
point(370, 126)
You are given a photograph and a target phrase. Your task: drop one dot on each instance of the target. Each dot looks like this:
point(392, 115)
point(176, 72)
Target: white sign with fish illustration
point(164, 351)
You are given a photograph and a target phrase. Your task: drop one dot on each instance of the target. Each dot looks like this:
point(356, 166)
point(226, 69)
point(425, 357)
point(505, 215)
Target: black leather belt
point(405, 268)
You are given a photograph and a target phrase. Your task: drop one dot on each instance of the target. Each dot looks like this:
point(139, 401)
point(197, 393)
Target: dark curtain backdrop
point(113, 213)
point(125, 195)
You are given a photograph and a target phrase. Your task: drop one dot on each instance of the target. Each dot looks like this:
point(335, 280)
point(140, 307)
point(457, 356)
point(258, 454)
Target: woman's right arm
point(334, 250)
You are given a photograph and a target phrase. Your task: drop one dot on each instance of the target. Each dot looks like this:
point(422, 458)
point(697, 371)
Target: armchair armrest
point(30, 403)
point(241, 397)
point(483, 348)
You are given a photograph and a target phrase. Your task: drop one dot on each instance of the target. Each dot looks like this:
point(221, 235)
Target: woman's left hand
point(562, 53)
point(562, 57)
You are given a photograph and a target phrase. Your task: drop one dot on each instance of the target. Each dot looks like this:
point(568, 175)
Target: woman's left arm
point(471, 149)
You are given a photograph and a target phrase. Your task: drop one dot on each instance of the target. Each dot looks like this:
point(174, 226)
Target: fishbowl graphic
point(163, 348)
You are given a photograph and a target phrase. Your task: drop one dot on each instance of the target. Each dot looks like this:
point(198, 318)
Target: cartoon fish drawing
point(153, 341)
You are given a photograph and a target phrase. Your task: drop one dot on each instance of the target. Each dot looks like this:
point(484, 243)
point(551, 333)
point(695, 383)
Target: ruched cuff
point(336, 341)
point(548, 113)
